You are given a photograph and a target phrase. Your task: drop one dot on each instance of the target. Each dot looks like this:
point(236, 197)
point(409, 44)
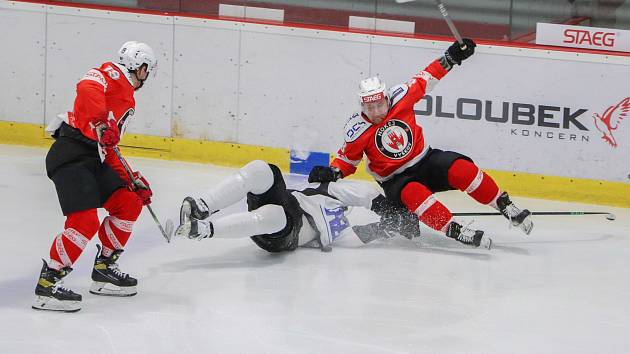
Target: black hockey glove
point(324, 174)
point(455, 54)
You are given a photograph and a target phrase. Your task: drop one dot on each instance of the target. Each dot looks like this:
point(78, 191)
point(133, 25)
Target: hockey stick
point(448, 20)
point(609, 216)
point(170, 227)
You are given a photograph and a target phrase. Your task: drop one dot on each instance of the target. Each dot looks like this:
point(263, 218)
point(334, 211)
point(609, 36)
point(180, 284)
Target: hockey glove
point(142, 188)
point(107, 133)
point(324, 174)
point(455, 54)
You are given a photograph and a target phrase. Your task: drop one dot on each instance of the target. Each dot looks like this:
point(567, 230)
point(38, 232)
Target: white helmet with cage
point(374, 98)
point(132, 55)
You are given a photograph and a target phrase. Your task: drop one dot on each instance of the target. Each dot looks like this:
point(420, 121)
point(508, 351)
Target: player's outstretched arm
point(425, 81)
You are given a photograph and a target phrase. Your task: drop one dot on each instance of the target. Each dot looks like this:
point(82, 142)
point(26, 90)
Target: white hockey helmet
point(374, 98)
point(132, 55)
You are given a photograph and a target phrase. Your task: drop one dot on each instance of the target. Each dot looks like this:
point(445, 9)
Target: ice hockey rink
point(563, 289)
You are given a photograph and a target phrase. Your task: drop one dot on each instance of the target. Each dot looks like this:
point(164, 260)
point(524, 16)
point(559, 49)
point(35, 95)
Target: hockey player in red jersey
point(403, 163)
point(88, 175)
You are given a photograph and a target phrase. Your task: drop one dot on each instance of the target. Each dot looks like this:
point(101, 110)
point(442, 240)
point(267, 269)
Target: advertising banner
point(583, 37)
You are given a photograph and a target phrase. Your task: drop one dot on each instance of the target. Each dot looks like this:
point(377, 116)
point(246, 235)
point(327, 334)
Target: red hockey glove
point(142, 188)
point(107, 133)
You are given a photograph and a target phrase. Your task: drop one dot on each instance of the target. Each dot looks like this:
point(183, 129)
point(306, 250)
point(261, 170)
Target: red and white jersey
point(100, 91)
point(397, 142)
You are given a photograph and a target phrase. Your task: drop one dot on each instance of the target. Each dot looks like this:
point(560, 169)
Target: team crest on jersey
point(394, 139)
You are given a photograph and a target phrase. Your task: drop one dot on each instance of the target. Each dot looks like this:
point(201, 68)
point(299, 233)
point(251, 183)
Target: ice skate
point(108, 279)
point(193, 207)
point(517, 217)
point(468, 236)
point(51, 295)
point(191, 219)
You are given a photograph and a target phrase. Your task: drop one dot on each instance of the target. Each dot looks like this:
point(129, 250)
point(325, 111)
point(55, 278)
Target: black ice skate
point(517, 217)
point(51, 295)
point(108, 279)
point(468, 236)
point(192, 223)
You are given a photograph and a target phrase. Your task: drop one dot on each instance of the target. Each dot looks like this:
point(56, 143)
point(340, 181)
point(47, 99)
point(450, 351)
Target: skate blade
point(44, 303)
point(183, 230)
point(486, 242)
point(109, 289)
point(526, 226)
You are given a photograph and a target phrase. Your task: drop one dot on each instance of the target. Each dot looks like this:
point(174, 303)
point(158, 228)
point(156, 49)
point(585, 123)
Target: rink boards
point(229, 91)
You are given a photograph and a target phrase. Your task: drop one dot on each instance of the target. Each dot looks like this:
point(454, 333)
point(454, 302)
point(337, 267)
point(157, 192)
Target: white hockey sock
point(265, 220)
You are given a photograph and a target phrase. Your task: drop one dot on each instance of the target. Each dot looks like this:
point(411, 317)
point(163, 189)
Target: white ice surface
point(563, 289)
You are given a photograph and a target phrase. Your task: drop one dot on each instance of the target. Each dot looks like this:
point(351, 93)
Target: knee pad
point(124, 204)
point(270, 218)
point(257, 176)
point(463, 174)
point(86, 222)
point(414, 194)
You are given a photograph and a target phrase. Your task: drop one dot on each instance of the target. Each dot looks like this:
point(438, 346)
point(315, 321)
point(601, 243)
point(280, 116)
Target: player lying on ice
point(88, 175)
point(280, 219)
point(387, 132)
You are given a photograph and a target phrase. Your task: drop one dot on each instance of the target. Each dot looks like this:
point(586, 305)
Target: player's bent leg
point(419, 199)
point(267, 219)
point(124, 207)
point(255, 177)
point(67, 246)
point(466, 176)
point(80, 227)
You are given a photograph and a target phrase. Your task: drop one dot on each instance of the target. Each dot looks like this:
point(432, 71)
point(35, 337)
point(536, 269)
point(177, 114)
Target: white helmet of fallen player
point(133, 55)
point(374, 100)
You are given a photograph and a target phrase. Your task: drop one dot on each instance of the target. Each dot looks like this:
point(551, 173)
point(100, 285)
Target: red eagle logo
point(610, 120)
point(395, 140)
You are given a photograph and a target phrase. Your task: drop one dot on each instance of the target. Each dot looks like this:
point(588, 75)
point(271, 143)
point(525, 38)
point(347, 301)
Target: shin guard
point(67, 246)
point(124, 207)
point(421, 201)
point(467, 177)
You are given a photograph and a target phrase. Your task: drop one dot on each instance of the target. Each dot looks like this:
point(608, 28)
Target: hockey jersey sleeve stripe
point(430, 81)
point(426, 80)
point(96, 76)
